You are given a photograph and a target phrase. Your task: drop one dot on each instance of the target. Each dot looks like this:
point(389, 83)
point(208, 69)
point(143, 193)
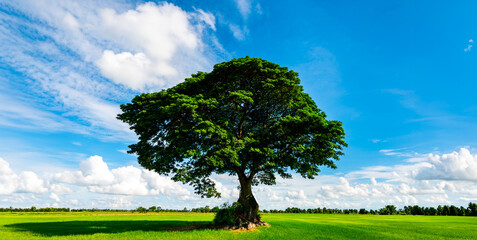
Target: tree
point(141, 210)
point(472, 209)
point(363, 211)
point(248, 117)
point(445, 210)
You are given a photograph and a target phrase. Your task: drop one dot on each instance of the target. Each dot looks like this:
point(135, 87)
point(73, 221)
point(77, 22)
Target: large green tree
point(248, 117)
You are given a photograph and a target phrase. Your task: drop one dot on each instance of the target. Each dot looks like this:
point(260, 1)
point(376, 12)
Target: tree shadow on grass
point(91, 227)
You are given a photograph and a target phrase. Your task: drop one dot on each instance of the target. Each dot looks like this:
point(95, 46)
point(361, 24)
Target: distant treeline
point(205, 209)
point(445, 210)
point(51, 209)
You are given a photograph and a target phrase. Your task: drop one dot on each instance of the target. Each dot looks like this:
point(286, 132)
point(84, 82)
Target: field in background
point(184, 226)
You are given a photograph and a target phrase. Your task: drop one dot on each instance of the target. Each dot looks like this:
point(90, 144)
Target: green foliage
point(141, 210)
point(248, 117)
point(472, 209)
point(225, 216)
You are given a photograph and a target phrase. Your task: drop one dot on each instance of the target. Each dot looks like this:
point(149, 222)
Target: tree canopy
point(248, 117)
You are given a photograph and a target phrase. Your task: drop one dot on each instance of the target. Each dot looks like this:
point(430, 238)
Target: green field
point(188, 226)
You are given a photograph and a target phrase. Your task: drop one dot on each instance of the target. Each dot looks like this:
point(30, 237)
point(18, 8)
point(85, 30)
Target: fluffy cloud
point(297, 195)
point(226, 192)
point(67, 50)
point(26, 181)
point(371, 187)
point(161, 37)
point(92, 171)
point(95, 174)
point(135, 71)
point(460, 165)
point(7, 178)
point(427, 180)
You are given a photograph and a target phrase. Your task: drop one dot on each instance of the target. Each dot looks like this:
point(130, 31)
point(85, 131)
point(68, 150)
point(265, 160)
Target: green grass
point(192, 226)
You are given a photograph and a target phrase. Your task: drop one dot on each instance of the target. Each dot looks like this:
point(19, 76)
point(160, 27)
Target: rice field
point(195, 226)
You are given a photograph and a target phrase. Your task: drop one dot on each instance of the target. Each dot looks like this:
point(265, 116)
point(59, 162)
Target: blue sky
point(400, 75)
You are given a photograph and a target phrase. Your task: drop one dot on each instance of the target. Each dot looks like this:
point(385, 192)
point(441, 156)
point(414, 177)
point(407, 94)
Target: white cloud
point(7, 178)
point(162, 36)
point(370, 187)
point(19, 114)
point(272, 196)
point(226, 193)
point(239, 32)
point(95, 174)
point(25, 182)
point(55, 197)
point(29, 182)
point(127, 181)
point(60, 189)
point(297, 195)
point(119, 202)
point(469, 47)
point(206, 17)
point(396, 152)
point(460, 165)
point(70, 44)
point(161, 185)
point(134, 71)
point(93, 171)
point(244, 7)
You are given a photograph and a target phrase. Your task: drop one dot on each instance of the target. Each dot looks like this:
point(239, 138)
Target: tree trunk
point(249, 210)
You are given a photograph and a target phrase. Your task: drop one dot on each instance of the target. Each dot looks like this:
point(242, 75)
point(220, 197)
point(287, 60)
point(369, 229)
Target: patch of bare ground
point(247, 227)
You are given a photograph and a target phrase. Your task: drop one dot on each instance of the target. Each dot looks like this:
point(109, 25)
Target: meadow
point(194, 226)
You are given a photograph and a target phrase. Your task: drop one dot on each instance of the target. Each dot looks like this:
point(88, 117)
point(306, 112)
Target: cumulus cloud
point(95, 174)
point(25, 182)
point(67, 51)
point(273, 196)
point(427, 180)
point(135, 71)
point(297, 194)
point(60, 189)
point(161, 38)
point(226, 192)
point(92, 171)
point(370, 187)
point(460, 165)
point(7, 178)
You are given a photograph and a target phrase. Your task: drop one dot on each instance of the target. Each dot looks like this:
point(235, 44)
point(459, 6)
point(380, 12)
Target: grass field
point(180, 226)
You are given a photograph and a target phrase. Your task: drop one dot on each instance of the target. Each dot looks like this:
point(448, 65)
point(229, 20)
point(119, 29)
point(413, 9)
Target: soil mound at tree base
point(246, 226)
